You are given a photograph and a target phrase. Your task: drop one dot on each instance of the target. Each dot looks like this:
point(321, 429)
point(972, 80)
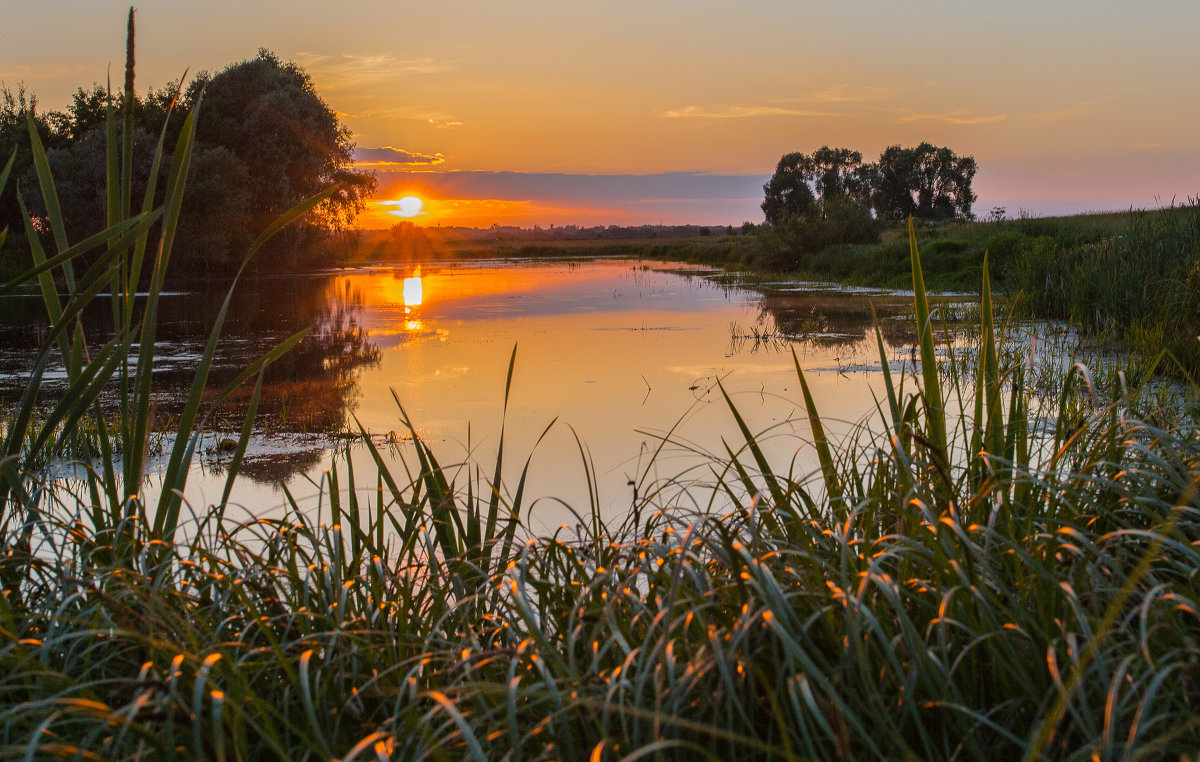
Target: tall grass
point(1140, 284)
point(944, 587)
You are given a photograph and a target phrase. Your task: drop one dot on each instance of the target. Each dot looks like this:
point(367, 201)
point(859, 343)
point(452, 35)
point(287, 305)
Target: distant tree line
point(926, 181)
point(265, 140)
point(499, 232)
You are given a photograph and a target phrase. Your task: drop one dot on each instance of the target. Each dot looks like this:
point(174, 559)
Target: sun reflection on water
point(413, 292)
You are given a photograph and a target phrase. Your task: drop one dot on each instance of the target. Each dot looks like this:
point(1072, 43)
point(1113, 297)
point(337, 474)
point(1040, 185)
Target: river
point(623, 361)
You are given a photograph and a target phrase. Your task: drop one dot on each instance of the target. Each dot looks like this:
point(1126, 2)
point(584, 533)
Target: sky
point(675, 111)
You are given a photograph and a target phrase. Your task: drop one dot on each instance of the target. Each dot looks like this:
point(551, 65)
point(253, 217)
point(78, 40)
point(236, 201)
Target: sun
point(409, 206)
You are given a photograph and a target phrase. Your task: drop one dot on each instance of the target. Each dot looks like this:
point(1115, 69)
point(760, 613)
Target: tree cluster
point(925, 181)
point(264, 141)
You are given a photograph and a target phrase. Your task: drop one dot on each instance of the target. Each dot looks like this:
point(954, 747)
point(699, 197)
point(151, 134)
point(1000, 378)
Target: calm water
point(618, 354)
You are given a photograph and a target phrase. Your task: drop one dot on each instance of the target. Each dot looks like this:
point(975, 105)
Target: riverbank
point(1127, 279)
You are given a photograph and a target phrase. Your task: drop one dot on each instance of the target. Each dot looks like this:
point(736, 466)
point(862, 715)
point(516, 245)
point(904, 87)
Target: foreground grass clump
point(1044, 612)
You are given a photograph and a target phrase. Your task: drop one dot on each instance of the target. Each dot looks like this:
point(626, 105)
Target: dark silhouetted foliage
point(789, 192)
point(265, 142)
point(927, 182)
point(267, 114)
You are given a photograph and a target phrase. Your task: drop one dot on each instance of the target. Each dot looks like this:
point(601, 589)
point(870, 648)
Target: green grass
point(1018, 582)
point(1128, 280)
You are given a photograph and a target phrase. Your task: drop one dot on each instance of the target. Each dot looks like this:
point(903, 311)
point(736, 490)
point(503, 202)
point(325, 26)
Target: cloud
point(846, 94)
point(741, 112)
point(957, 116)
point(359, 70)
point(395, 157)
point(436, 119)
point(1074, 110)
point(45, 71)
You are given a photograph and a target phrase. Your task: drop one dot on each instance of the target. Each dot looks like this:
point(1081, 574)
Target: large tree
point(264, 142)
point(812, 202)
point(267, 114)
point(789, 192)
point(840, 172)
point(800, 181)
point(926, 181)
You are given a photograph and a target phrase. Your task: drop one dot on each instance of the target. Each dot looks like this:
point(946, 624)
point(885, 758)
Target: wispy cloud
point(1073, 110)
point(395, 157)
point(439, 119)
point(956, 116)
point(848, 94)
point(741, 112)
point(357, 69)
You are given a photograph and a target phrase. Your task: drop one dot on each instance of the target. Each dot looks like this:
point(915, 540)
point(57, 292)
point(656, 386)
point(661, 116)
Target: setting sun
point(409, 206)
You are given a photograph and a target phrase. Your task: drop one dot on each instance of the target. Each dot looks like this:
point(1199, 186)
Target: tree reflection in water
point(311, 388)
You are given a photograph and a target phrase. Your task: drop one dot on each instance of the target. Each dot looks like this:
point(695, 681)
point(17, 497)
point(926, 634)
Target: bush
point(832, 222)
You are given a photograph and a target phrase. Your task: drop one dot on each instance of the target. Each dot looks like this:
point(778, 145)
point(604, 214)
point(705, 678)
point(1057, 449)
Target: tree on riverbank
point(267, 114)
point(813, 202)
point(926, 181)
point(265, 141)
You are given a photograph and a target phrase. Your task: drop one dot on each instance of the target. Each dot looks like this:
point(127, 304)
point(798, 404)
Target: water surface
point(613, 356)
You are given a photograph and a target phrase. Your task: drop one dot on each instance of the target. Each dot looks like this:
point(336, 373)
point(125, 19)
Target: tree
point(801, 180)
point(216, 193)
point(838, 172)
point(80, 176)
point(789, 192)
point(15, 109)
point(266, 112)
point(264, 142)
point(89, 110)
point(927, 181)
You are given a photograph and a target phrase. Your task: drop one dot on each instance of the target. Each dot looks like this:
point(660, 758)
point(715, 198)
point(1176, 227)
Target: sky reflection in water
point(619, 353)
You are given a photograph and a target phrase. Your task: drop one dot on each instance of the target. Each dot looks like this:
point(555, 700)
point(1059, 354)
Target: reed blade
point(243, 440)
point(934, 406)
point(833, 485)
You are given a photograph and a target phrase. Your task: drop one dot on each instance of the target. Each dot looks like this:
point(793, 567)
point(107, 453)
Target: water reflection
point(620, 351)
point(309, 389)
point(413, 292)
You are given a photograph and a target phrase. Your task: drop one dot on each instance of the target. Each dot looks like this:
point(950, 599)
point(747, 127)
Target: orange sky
point(1066, 106)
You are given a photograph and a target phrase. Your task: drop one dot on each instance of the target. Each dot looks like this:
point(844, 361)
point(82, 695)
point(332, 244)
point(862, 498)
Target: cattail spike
point(129, 56)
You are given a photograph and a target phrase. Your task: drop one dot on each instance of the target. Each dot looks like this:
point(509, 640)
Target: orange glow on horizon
point(484, 212)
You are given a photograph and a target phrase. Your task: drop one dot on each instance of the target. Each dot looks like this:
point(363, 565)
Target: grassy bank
point(1127, 279)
